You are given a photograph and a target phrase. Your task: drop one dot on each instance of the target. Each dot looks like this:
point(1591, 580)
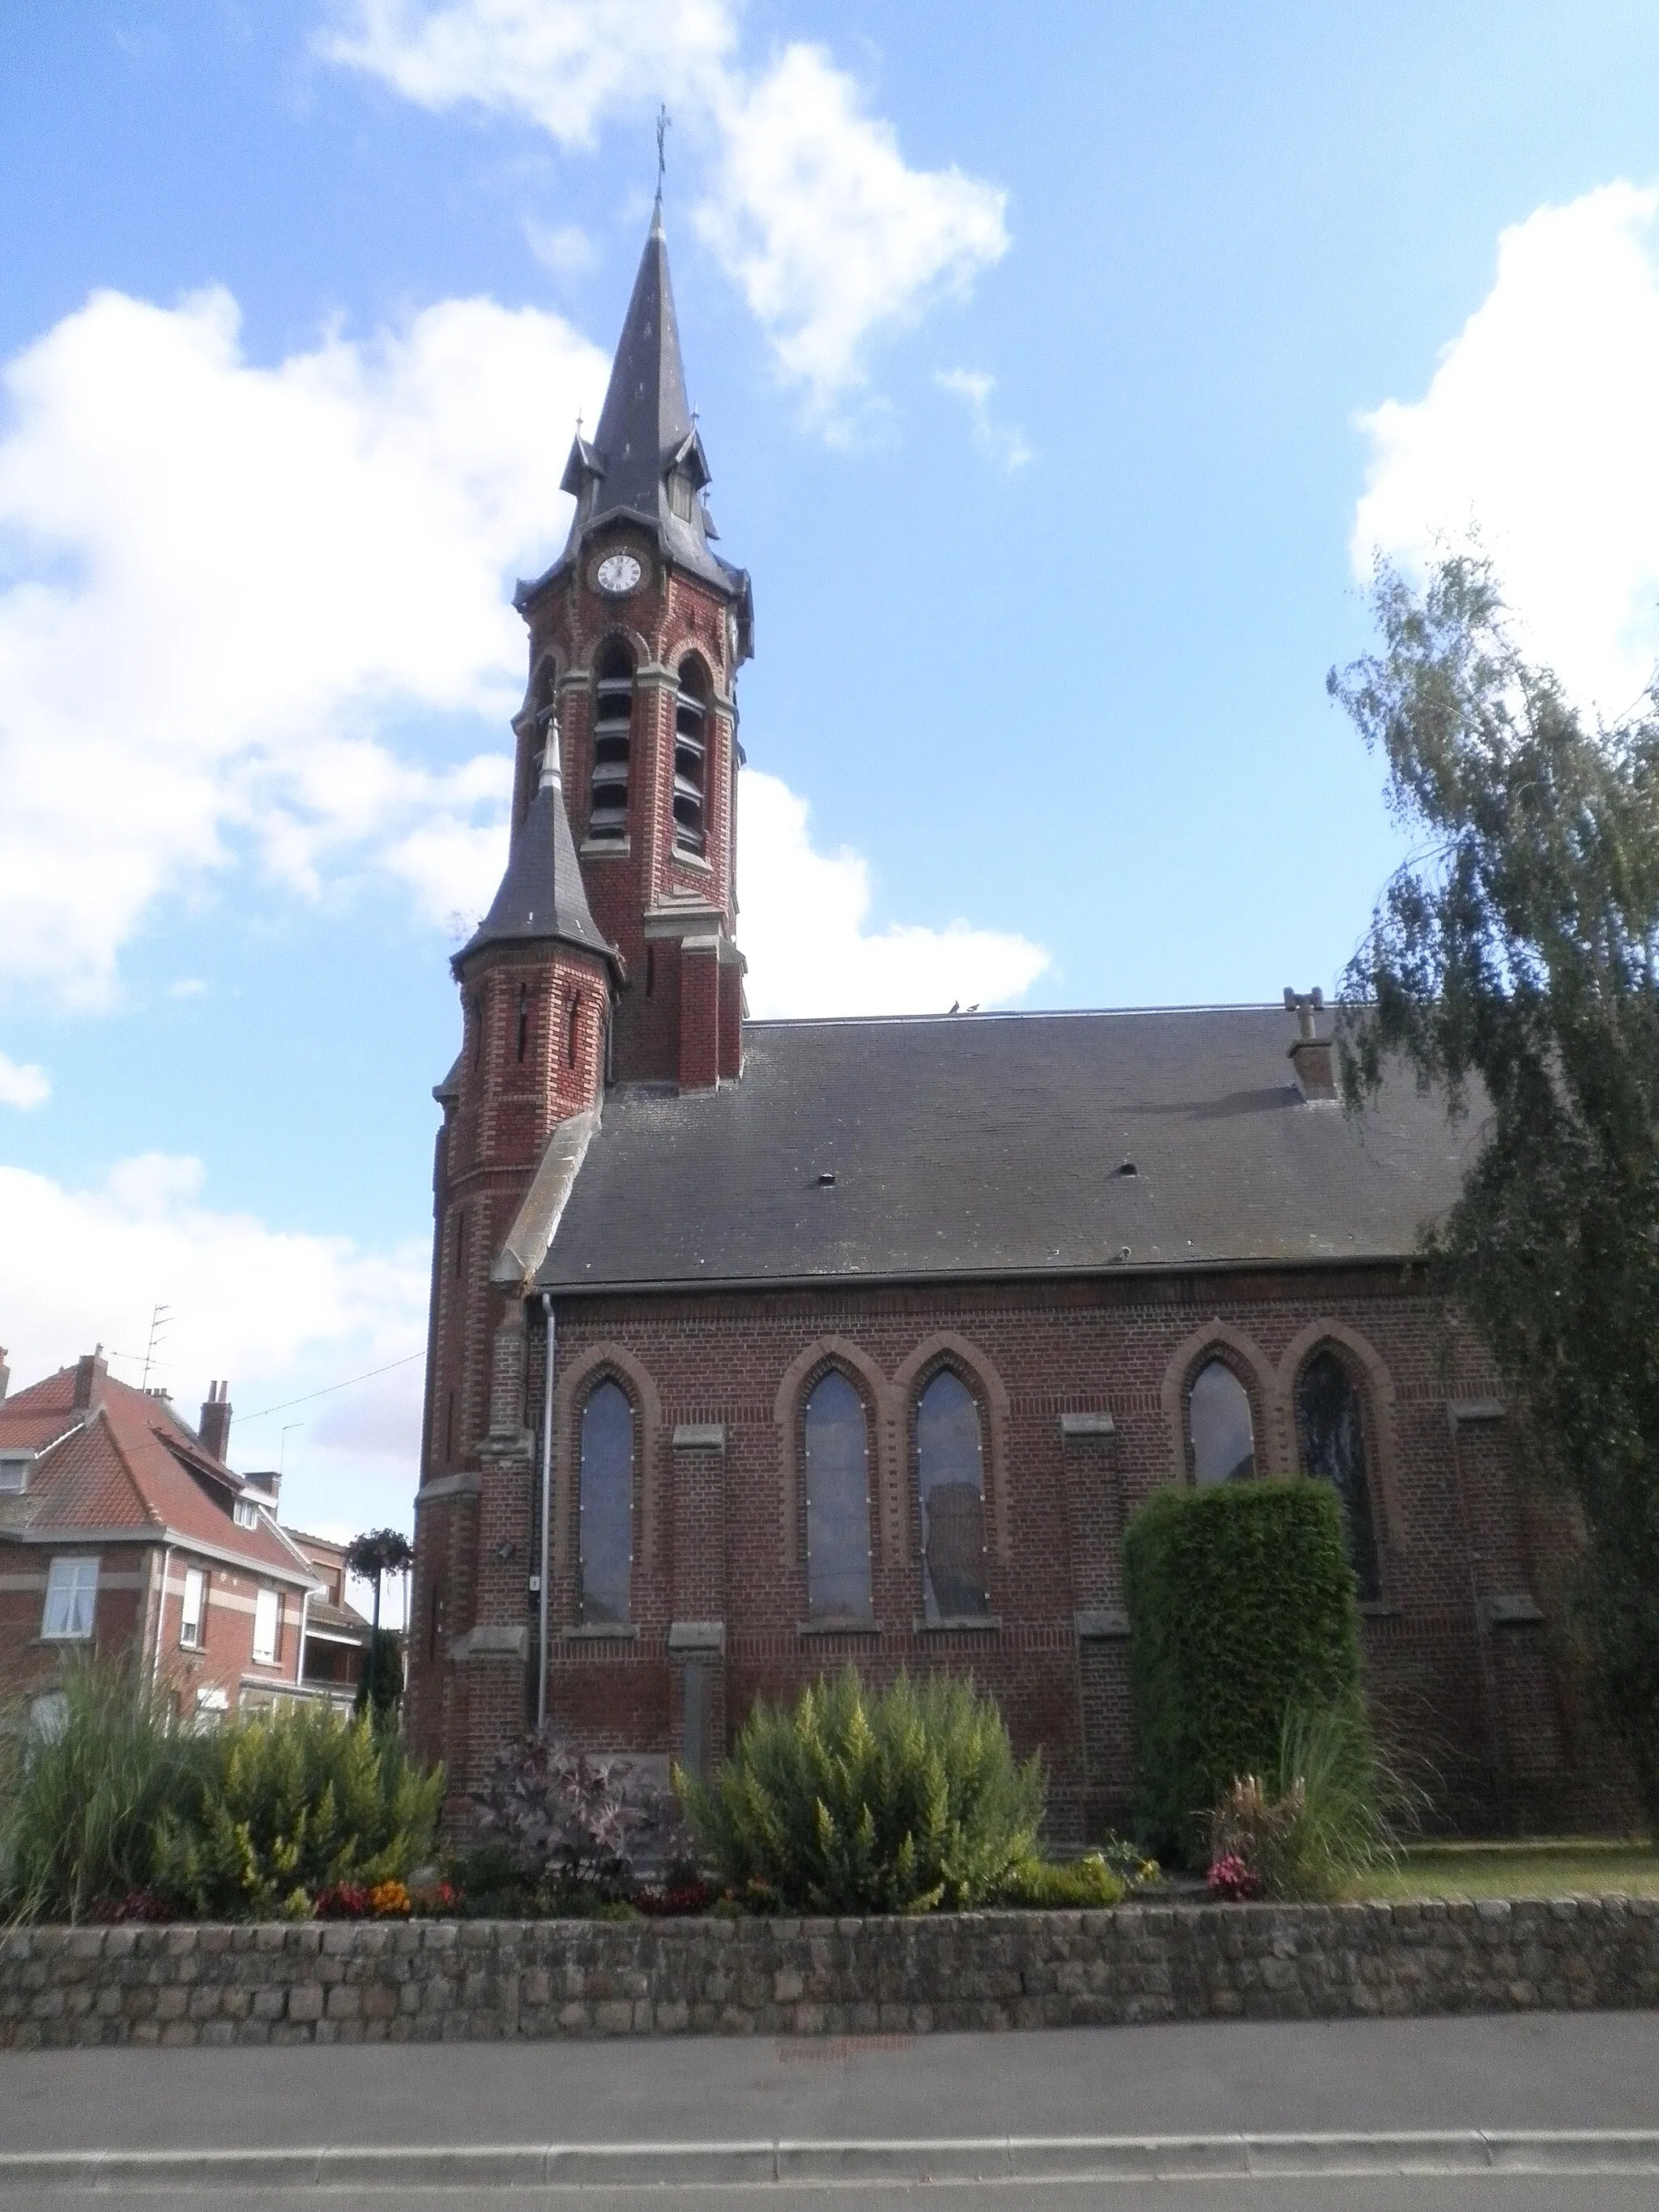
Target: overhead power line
point(242, 1420)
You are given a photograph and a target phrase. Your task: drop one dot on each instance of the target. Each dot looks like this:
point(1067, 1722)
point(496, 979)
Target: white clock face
point(617, 572)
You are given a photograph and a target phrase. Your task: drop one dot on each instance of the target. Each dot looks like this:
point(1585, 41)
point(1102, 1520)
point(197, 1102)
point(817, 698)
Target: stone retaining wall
point(479, 1979)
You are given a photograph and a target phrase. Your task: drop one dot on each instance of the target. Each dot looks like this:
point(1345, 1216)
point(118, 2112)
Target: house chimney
point(265, 1486)
point(214, 1430)
point(5, 1374)
point(91, 1373)
point(1312, 1056)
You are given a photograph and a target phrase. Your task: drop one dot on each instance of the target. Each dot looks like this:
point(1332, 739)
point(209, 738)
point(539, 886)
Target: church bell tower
point(637, 635)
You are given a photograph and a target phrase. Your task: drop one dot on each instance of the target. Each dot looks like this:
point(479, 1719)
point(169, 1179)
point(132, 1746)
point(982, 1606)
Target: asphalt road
point(1590, 2072)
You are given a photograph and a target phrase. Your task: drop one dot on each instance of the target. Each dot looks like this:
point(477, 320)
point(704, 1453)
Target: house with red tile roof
point(122, 1529)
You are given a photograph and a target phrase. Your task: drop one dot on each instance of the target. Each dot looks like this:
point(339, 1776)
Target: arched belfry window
point(951, 1477)
point(606, 1506)
point(690, 756)
point(613, 719)
point(1218, 1426)
point(837, 1502)
point(1330, 1433)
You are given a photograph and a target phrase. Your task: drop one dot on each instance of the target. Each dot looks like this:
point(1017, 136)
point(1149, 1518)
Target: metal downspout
point(160, 1615)
point(544, 1594)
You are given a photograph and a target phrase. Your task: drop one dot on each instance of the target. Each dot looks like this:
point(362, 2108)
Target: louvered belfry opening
point(613, 716)
point(690, 756)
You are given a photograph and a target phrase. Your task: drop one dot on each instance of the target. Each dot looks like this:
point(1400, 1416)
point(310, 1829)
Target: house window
point(1219, 1427)
point(245, 1513)
point(14, 1472)
point(837, 1502)
point(267, 1626)
point(1330, 1430)
point(194, 1609)
point(605, 1508)
point(950, 1478)
point(690, 749)
point(613, 716)
point(71, 1596)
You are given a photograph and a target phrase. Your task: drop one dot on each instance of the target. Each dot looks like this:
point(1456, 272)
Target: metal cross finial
point(663, 121)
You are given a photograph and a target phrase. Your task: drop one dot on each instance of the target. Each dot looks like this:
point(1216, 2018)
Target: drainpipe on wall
point(160, 1615)
point(544, 1594)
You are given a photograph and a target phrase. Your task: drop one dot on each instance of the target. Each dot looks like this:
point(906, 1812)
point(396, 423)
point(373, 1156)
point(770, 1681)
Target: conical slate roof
point(542, 897)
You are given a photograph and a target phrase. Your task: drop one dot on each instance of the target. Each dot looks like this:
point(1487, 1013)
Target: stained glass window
point(837, 1502)
point(607, 1505)
point(952, 1484)
point(1331, 1431)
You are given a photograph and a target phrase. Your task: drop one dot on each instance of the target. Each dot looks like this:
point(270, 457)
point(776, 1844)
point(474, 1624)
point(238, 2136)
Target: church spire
point(645, 462)
point(542, 896)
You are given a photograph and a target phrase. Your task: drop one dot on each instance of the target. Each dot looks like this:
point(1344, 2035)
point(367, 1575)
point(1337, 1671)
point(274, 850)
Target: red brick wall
point(1486, 1711)
point(125, 1615)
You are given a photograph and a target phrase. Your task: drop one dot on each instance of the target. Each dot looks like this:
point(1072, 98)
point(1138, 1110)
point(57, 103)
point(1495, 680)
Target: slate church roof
point(999, 1145)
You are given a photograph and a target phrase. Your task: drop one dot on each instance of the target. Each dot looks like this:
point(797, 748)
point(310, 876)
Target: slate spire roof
point(542, 897)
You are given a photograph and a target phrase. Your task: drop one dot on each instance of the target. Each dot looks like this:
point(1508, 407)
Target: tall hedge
point(1241, 1604)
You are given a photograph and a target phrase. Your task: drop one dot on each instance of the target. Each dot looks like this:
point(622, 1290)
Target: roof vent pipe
point(1312, 1057)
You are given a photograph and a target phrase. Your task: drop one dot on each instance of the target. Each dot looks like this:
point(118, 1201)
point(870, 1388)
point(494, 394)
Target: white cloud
point(280, 1313)
point(804, 929)
point(810, 205)
point(1002, 442)
point(563, 249)
point(22, 1084)
point(1538, 431)
point(187, 987)
point(231, 580)
point(568, 64)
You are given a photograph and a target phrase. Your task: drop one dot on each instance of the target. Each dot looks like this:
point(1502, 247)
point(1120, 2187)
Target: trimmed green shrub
point(79, 1801)
point(1241, 1607)
point(301, 1800)
point(1085, 1885)
point(895, 1800)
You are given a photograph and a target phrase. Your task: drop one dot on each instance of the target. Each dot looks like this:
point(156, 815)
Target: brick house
point(757, 1348)
point(336, 1633)
point(121, 1529)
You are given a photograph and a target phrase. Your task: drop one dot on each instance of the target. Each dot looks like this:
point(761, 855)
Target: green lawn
point(1568, 1869)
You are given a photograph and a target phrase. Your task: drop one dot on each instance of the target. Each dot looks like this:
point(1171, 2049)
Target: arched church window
point(951, 1477)
point(613, 717)
point(1219, 1427)
point(606, 1506)
point(690, 756)
point(573, 1030)
point(1330, 1430)
point(837, 1502)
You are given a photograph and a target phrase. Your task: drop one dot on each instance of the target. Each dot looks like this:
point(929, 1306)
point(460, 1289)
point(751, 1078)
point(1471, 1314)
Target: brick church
point(758, 1348)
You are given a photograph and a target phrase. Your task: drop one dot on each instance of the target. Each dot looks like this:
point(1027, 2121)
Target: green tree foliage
point(297, 1802)
point(1511, 963)
point(382, 1685)
point(79, 1801)
point(1241, 1605)
point(895, 1801)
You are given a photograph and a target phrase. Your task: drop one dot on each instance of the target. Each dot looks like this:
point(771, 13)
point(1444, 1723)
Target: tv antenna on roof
point(159, 1321)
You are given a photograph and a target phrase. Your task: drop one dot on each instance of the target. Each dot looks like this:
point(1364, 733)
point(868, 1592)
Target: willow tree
point(1512, 963)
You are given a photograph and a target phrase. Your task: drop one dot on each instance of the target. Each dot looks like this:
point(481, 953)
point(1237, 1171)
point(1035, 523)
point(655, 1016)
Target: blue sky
point(1058, 370)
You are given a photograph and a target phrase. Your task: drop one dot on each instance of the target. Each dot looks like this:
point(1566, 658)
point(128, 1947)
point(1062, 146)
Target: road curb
point(783, 2163)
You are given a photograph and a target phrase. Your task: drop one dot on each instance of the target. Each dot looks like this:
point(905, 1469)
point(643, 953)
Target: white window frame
point(245, 1513)
point(192, 1619)
point(267, 1608)
point(71, 1603)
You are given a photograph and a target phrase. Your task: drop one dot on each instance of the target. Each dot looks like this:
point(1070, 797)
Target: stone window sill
point(606, 848)
point(985, 1623)
point(601, 1631)
point(843, 1627)
point(682, 859)
point(1379, 1608)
